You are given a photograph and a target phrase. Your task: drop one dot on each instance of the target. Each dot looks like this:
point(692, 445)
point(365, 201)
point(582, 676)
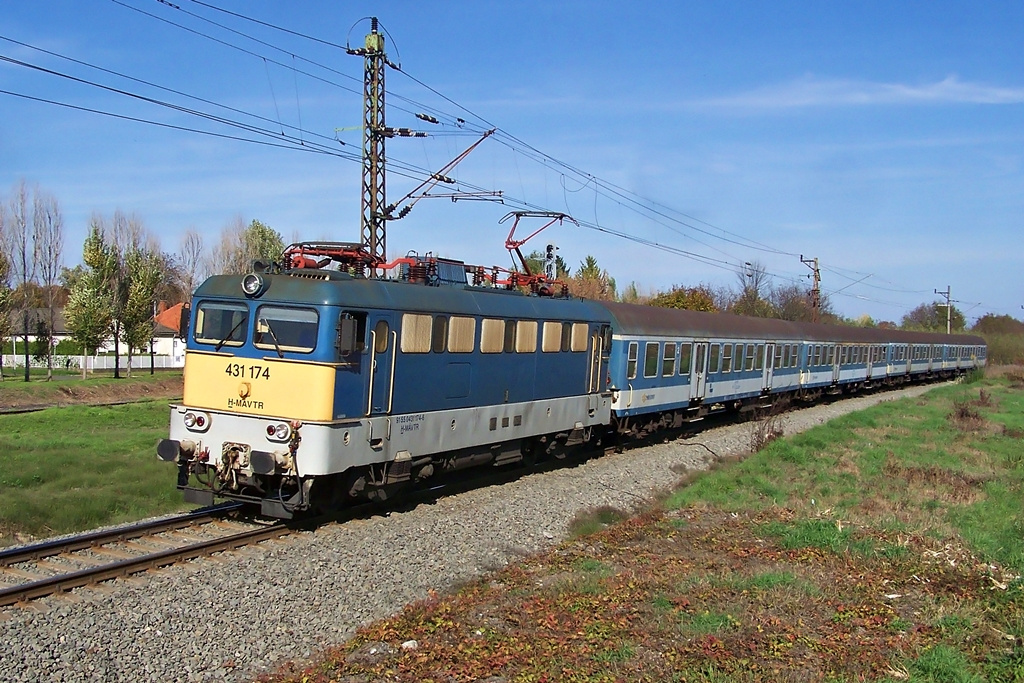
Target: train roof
point(319, 287)
point(638, 320)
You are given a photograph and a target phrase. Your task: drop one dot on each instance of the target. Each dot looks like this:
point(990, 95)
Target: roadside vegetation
point(100, 388)
point(77, 468)
point(886, 545)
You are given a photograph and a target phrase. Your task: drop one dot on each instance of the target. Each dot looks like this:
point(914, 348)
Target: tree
point(699, 298)
point(144, 268)
point(23, 257)
point(932, 317)
point(88, 313)
point(991, 323)
point(5, 298)
point(191, 259)
point(753, 280)
point(591, 282)
point(48, 237)
point(793, 302)
point(240, 246)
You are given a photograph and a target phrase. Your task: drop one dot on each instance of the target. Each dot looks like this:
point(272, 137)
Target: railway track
point(49, 567)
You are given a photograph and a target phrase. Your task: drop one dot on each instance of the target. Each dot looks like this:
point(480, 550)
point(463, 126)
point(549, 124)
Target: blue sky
point(886, 139)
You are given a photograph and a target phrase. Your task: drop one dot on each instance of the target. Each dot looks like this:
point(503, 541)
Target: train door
point(698, 378)
point(383, 339)
point(836, 352)
point(769, 367)
point(869, 352)
point(600, 353)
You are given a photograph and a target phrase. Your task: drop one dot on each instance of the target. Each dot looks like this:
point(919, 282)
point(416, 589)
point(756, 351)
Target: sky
point(687, 139)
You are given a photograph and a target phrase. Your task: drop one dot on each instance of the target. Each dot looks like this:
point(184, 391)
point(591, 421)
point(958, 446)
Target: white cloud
point(813, 92)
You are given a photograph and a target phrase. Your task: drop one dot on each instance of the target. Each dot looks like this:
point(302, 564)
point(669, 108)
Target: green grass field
point(76, 468)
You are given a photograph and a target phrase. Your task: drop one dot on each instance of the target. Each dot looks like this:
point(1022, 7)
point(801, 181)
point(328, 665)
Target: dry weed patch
point(667, 599)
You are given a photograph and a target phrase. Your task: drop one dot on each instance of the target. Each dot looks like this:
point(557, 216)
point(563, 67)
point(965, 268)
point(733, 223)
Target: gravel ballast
point(236, 616)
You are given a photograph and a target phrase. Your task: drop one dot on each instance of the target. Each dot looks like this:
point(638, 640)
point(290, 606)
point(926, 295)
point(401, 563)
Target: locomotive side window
point(221, 323)
point(579, 336)
point(684, 358)
point(492, 335)
point(566, 337)
point(553, 337)
point(651, 359)
point(380, 336)
point(509, 344)
point(526, 336)
point(631, 360)
point(727, 358)
point(668, 360)
point(416, 329)
point(285, 329)
point(714, 358)
point(461, 334)
point(439, 334)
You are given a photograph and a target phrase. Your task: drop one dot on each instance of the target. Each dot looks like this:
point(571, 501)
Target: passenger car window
point(684, 358)
point(668, 361)
point(631, 356)
point(651, 359)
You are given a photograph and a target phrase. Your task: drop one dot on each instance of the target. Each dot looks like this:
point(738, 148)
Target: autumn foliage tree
point(931, 317)
point(699, 298)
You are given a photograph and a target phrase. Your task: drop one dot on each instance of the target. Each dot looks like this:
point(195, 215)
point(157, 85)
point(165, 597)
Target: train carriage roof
point(328, 288)
point(632, 319)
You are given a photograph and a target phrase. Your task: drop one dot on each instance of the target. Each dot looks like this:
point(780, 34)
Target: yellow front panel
point(276, 388)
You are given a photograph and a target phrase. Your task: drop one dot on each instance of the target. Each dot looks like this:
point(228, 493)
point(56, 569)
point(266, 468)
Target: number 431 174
point(247, 371)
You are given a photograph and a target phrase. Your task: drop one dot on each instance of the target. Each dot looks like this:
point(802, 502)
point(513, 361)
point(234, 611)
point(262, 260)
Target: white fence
point(140, 362)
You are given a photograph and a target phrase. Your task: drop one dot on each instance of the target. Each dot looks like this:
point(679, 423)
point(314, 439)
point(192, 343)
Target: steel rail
point(134, 565)
point(43, 549)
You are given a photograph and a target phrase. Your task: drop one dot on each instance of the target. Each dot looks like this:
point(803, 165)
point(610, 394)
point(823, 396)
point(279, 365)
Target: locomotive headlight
point(253, 284)
point(279, 432)
point(196, 422)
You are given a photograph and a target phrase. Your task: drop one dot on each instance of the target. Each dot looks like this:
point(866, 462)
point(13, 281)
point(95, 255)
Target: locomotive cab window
point(285, 329)
point(219, 323)
point(351, 331)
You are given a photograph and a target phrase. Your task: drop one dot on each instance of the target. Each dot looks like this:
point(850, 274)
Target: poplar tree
point(89, 311)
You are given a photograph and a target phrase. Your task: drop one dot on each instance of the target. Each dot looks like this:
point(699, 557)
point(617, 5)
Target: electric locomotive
point(306, 387)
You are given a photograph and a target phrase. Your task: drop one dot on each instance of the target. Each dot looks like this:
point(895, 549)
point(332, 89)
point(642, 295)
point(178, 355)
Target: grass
point(76, 468)
point(16, 392)
point(882, 546)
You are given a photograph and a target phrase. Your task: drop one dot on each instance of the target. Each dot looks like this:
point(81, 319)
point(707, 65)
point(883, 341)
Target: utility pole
point(371, 224)
point(949, 308)
point(816, 289)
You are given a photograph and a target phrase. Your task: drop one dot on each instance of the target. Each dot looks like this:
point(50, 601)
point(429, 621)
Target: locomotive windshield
point(223, 324)
point(288, 329)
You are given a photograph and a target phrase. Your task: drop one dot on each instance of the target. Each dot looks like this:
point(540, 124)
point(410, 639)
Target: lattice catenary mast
point(371, 223)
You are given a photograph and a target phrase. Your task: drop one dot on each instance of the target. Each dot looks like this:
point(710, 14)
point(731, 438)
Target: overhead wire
point(658, 213)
